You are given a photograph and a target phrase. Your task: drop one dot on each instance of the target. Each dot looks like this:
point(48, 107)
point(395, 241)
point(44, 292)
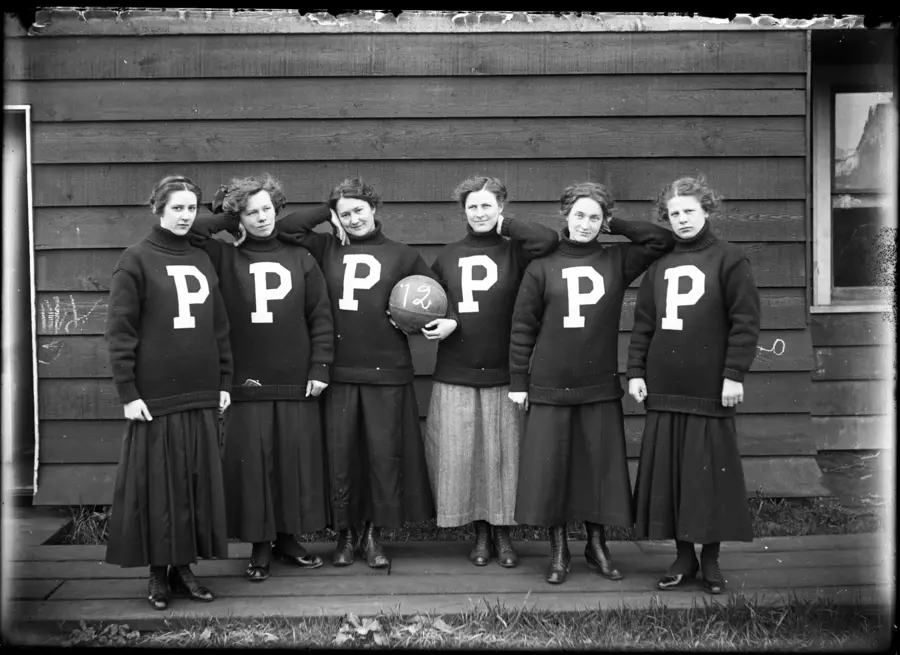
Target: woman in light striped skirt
point(472, 433)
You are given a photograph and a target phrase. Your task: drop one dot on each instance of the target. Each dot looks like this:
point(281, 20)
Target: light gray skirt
point(472, 450)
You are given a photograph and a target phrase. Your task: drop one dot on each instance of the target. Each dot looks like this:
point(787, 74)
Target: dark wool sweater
point(482, 274)
point(685, 344)
point(282, 333)
point(566, 320)
point(167, 328)
point(360, 277)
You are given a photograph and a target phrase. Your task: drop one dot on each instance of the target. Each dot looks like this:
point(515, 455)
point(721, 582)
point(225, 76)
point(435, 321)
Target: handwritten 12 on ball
point(415, 301)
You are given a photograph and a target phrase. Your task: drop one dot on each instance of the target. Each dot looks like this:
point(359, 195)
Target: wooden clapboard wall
point(415, 114)
point(852, 391)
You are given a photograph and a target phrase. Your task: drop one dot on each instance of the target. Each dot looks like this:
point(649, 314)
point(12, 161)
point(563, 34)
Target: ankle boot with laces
point(683, 569)
point(506, 554)
point(158, 588)
point(480, 554)
point(597, 554)
point(372, 550)
point(713, 581)
point(183, 582)
point(346, 546)
point(559, 555)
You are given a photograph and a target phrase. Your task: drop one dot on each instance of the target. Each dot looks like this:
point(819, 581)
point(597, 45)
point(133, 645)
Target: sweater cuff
point(504, 227)
point(733, 374)
point(225, 383)
point(128, 392)
point(632, 373)
point(518, 382)
point(320, 373)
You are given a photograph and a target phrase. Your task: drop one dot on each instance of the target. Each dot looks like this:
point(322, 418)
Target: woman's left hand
point(224, 401)
point(732, 393)
point(439, 329)
point(314, 387)
point(500, 224)
point(242, 235)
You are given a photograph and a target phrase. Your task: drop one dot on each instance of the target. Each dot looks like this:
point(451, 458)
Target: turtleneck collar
point(167, 239)
point(374, 237)
point(703, 239)
point(576, 248)
point(262, 244)
point(481, 239)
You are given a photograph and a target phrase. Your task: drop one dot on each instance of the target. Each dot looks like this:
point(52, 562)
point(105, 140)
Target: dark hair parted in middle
point(354, 187)
point(242, 188)
point(166, 187)
point(591, 190)
point(479, 183)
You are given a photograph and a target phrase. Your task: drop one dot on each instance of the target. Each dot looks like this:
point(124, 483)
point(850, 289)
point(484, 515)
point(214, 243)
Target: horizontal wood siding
point(854, 381)
point(414, 114)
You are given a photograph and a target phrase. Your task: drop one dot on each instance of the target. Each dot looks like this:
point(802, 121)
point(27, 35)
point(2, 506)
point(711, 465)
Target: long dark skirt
point(169, 501)
point(690, 482)
point(376, 457)
point(274, 468)
point(572, 466)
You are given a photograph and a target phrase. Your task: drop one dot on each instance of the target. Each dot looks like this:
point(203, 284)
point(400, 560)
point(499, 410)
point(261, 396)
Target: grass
point(771, 517)
point(739, 624)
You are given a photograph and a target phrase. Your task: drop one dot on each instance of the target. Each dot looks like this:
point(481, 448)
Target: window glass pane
point(864, 133)
point(857, 241)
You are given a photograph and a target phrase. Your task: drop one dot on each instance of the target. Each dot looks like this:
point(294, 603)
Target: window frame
point(826, 81)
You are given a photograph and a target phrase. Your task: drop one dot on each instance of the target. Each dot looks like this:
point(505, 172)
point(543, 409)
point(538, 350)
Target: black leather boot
point(506, 554)
point(683, 569)
point(597, 554)
point(183, 582)
point(372, 550)
point(346, 545)
point(260, 559)
point(559, 555)
point(291, 551)
point(713, 581)
point(158, 588)
point(480, 554)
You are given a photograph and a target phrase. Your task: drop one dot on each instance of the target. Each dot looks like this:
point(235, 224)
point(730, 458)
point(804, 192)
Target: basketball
point(415, 302)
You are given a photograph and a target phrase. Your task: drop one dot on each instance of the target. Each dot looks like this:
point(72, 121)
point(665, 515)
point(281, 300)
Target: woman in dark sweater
point(696, 326)
point(167, 332)
point(472, 433)
point(282, 335)
point(378, 473)
point(564, 371)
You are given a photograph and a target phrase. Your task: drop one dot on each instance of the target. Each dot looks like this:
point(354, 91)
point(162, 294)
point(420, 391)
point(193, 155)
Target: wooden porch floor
point(56, 586)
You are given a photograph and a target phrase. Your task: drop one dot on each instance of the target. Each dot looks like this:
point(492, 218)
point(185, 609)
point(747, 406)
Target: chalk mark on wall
point(55, 349)
point(57, 317)
point(775, 348)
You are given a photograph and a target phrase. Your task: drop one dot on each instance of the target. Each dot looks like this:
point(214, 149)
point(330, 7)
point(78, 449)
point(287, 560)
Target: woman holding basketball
point(283, 340)
point(374, 447)
point(696, 325)
point(170, 356)
point(472, 434)
point(564, 371)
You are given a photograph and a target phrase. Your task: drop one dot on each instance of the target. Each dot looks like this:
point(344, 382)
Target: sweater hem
point(385, 376)
point(270, 392)
point(182, 402)
point(580, 396)
point(687, 405)
point(490, 377)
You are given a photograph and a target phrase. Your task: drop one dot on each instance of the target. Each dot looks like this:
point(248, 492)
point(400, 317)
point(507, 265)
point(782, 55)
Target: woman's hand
point(242, 235)
point(391, 319)
point(520, 398)
point(439, 329)
point(637, 388)
point(137, 410)
point(315, 387)
point(499, 224)
point(339, 229)
point(732, 393)
point(224, 401)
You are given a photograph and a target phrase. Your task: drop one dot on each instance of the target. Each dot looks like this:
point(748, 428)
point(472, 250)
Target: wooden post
point(17, 412)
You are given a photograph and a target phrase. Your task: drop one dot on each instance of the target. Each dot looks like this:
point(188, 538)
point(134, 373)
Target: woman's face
point(258, 217)
point(179, 213)
point(357, 216)
point(482, 210)
point(584, 220)
point(686, 216)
